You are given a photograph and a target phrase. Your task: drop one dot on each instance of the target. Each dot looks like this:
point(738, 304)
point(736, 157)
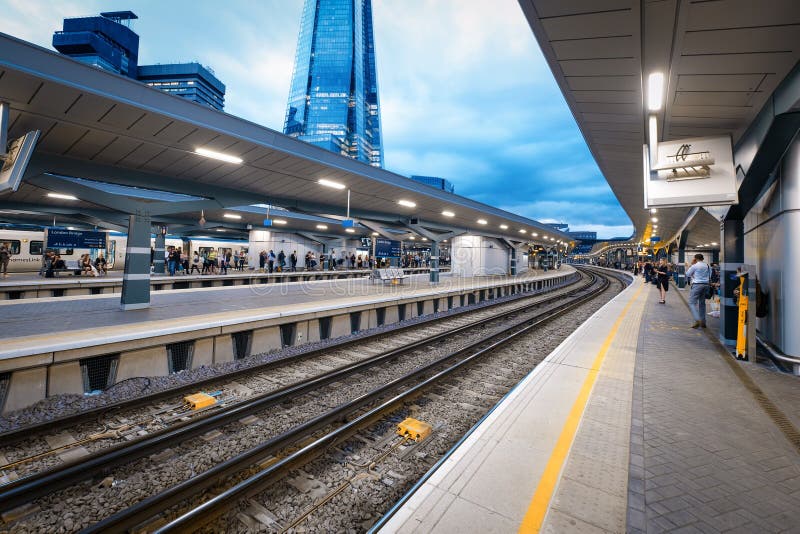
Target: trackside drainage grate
point(381, 316)
point(5, 382)
point(355, 322)
point(99, 373)
point(420, 308)
point(435, 305)
point(179, 356)
point(450, 303)
point(58, 292)
point(97, 291)
point(401, 312)
point(288, 334)
point(242, 341)
point(325, 327)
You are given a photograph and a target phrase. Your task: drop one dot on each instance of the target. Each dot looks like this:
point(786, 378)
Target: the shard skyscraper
point(333, 102)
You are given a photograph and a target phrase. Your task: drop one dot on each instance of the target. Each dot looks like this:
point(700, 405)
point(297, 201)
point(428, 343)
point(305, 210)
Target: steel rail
point(12, 436)
point(201, 515)
point(37, 485)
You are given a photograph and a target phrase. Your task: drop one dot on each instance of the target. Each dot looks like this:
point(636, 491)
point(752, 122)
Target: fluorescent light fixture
point(217, 155)
point(407, 203)
point(61, 196)
point(714, 243)
point(655, 91)
point(482, 221)
point(278, 221)
point(330, 183)
point(412, 238)
point(375, 233)
point(322, 227)
point(552, 239)
point(70, 227)
point(220, 229)
point(534, 234)
point(653, 211)
point(349, 230)
point(523, 231)
point(504, 227)
point(424, 238)
point(232, 216)
point(654, 219)
point(448, 213)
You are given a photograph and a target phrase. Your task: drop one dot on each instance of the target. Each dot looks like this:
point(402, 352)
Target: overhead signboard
point(387, 248)
point(690, 172)
point(63, 238)
point(16, 160)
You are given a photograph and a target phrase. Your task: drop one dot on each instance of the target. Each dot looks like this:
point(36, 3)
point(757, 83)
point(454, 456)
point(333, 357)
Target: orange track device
point(200, 400)
point(414, 429)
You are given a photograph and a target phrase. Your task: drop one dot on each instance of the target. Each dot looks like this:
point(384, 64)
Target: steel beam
point(136, 279)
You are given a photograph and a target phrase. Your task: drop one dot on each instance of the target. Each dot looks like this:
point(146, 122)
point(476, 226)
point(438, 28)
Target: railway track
point(375, 387)
point(38, 485)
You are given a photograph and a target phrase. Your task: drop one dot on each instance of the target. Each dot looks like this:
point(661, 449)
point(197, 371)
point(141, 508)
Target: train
point(27, 248)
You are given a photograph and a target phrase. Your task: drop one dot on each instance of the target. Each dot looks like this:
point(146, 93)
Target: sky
point(465, 92)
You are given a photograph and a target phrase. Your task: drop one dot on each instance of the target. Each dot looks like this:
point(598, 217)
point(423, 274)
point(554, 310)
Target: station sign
point(63, 238)
point(387, 248)
point(655, 239)
point(690, 172)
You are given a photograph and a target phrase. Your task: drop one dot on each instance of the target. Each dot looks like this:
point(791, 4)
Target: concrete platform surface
point(36, 326)
point(635, 423)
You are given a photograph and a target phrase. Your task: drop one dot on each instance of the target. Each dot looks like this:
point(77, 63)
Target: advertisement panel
point(387, 248)
point(690, 172)
point(63, 238)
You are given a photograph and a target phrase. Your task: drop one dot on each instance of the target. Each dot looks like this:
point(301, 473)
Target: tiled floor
point(704, 455)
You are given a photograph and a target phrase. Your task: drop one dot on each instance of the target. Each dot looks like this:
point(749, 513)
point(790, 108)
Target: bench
point(388, 275)
point(72, 267)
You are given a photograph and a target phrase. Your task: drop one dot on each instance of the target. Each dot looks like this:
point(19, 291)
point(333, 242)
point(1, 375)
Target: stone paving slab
point(704, 456)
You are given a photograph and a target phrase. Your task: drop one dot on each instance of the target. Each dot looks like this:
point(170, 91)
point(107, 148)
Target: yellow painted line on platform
point(537, 509)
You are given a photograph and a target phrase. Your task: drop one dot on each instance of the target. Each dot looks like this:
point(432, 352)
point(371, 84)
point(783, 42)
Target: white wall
point(276, 241)
point(474, 255)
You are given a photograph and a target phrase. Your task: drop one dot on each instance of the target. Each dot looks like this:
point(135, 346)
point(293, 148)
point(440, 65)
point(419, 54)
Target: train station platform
point(49, 342)
point(635, 423)
point(30, 285)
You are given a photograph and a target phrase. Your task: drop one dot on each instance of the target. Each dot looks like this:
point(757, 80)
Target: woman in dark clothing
point(662, 271)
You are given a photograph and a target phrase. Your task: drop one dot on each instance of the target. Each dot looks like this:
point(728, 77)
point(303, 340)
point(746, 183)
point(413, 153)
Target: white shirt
point(700, 273)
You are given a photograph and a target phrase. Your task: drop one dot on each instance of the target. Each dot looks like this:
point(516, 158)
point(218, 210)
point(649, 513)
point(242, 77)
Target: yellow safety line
point(532, 522)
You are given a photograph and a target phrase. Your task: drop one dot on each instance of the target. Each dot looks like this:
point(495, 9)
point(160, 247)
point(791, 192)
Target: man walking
point(700, 274)
point(5, 258)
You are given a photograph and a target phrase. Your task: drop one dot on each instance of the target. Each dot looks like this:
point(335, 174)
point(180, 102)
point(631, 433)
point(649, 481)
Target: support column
point(136, 280)
point(681, 267)
point(434, 262)
point(158, 253)
point(513, 260)
point(732, 252)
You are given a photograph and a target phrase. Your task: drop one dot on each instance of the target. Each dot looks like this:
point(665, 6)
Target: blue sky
point(465, 92)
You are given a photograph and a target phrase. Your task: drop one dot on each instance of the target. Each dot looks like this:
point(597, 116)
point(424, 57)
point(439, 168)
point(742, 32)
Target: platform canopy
point(721, 62)
point(103, 127)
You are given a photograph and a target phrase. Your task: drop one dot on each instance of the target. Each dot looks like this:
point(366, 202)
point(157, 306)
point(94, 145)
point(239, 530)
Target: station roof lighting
point(653, 211)
point(534, 234)
point(322, 227)
point(655, 91)
point(654, 219)
point(412, 238)
point(523, 231)
point(278, 221)
point(350, 230)
point(448, 213)
point(330, 183)
point(504, 227)
point(482, 221)
point(220, 229)
point(407, 203)
point(375, 233)
point(232, 216)
point(217, 155)
point(714, 243)
point(424, 238)
point(61, 196)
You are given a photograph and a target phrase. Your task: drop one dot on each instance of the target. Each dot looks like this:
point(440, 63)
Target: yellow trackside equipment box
point(199, 400)
point(413, 429)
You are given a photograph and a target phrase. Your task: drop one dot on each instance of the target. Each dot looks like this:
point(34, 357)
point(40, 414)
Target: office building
point(434, 181)
point(333, 99)
point(107, 41)
point(188, 80)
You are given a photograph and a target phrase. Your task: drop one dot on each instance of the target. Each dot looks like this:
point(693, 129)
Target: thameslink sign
point(63, 238)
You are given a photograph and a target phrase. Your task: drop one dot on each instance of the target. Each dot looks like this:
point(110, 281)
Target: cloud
point(465, 91)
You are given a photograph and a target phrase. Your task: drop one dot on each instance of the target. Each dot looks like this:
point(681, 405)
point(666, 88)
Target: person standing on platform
point(662, 272)
point(293, 261)
point(271, 261)
point(5, 258)
point(281, 261)
point(700, 274)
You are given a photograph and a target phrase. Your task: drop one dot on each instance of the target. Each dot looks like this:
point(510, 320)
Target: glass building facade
point(333, 99)
point(188, 80)
point(106, 41)
point(435, 181)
